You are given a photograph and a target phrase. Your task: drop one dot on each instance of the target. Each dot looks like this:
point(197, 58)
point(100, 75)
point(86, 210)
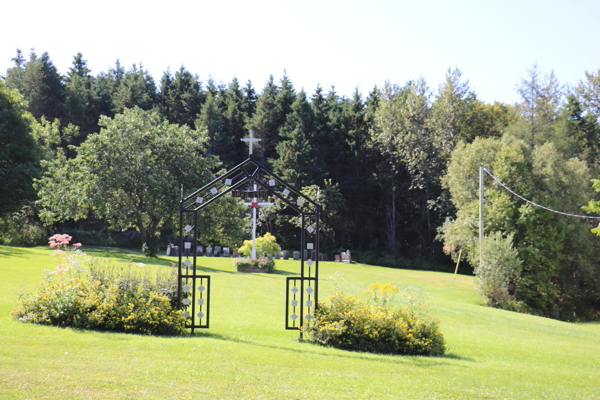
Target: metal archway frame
point(306, 284)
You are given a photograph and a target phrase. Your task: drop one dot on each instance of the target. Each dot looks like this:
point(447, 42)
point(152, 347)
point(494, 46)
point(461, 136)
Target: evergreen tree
point(42, 87)
point(136, 88)
point(265, 122)
point(79, 97)
point(296, 162)
point(588, 93)
point(181, 97)
point(101, 101)
point(576, 134)
point(15, 76)
point(250, 98)
point(235, 117)
point(211, 118)
point(541, 99)
point(285, 98)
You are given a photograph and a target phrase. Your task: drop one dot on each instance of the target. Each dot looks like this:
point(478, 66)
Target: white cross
point(250, 140)
point(255, 204)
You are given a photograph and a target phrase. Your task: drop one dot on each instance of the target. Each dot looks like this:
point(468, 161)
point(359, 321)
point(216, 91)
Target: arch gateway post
point(248, 180)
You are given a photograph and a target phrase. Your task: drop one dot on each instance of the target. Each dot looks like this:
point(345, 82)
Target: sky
point(349, 44)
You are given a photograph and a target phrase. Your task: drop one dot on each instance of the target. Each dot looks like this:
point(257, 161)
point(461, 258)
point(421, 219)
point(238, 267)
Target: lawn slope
point(246, 354)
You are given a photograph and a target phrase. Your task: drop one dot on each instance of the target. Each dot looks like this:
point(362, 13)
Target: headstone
point(236, 254)
point(199, 250)
point(306, 254)
point(286, 254)
point(225, 251)
point(338, 258)
point(217, 251)
point(169, 250)
point(269, 255)
point(277, 254)
point(296, 255)
point(209, 251)
point(346, 257)
point(324, 257)
point(313, 254)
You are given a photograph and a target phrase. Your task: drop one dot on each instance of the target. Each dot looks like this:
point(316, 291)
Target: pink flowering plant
point(61, 245)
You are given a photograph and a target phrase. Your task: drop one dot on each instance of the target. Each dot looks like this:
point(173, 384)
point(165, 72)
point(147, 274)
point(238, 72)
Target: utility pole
point(481, 232)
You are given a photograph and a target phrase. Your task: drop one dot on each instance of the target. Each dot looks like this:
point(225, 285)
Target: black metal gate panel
point(300, 300)
point(195, 299)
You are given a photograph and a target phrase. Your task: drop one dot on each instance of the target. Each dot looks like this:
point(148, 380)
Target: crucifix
point(250, 141)
point(255, 204)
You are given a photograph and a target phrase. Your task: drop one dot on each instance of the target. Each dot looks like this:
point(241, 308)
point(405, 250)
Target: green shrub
point(264, 263)
point(350, 322)
point(499, 272)
point(103, 296)
point(22, 229)
point(266, 244)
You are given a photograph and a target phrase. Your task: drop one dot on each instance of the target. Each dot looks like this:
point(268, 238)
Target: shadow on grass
point(21, 252)
point(419, 361)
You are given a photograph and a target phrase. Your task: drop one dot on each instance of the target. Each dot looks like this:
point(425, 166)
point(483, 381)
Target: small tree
point(129, 174)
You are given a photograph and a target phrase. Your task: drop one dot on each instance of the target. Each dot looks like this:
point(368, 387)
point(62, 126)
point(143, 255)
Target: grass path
point(247, 354)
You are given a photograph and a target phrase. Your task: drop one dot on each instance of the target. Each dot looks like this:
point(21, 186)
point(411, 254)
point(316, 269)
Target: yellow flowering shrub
point(350, 322)
point(266, 244)
point(106, 299)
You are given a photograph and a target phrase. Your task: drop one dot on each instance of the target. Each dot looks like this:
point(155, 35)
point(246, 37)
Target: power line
point(536, 204)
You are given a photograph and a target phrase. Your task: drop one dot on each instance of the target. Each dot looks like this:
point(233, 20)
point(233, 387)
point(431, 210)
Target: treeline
point(378, 162)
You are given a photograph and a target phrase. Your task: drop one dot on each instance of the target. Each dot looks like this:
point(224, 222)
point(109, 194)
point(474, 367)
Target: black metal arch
point(231, 180)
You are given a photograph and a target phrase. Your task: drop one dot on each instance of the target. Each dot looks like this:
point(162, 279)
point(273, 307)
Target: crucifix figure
point(255, 204)
point(250, 140)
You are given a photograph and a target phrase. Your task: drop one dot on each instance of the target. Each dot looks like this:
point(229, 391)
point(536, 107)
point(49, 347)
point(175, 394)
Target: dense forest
point(396, 171)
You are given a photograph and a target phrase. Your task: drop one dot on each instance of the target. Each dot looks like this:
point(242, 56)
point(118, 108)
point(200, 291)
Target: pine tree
point(265, 122)
point(235, 116)
point(79, 97)
point(181, 97)
point(15, 75)
point(211, 117)
point(541, 100)
point(296, 162)
point(250, 99)
point(43, 87)
point(136, 88)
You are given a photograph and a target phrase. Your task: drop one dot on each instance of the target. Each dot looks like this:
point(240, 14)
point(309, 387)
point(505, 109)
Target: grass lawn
point(246, 354)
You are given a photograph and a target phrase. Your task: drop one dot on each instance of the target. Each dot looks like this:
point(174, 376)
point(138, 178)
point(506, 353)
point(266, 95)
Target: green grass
point(246, 354)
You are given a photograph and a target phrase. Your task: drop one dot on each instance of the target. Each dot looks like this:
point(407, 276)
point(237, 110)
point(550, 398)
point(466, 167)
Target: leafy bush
point(22, 229)
point(266, 244)
point(499, 272)
point(264, 263)
point(350, 322)
point(120, 298)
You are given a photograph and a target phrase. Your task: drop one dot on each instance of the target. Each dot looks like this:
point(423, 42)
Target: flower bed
point(247, 264)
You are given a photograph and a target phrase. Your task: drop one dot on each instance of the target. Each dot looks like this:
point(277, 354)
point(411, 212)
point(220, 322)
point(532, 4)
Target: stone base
point(253, 269)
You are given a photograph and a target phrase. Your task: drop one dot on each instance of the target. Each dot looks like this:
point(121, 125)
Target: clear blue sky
point(345, 43)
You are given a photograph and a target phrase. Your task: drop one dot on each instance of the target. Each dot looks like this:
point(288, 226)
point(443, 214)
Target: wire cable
point(536, 204)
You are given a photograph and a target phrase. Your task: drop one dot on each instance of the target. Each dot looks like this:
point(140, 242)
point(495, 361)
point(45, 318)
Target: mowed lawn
point(246, 353)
